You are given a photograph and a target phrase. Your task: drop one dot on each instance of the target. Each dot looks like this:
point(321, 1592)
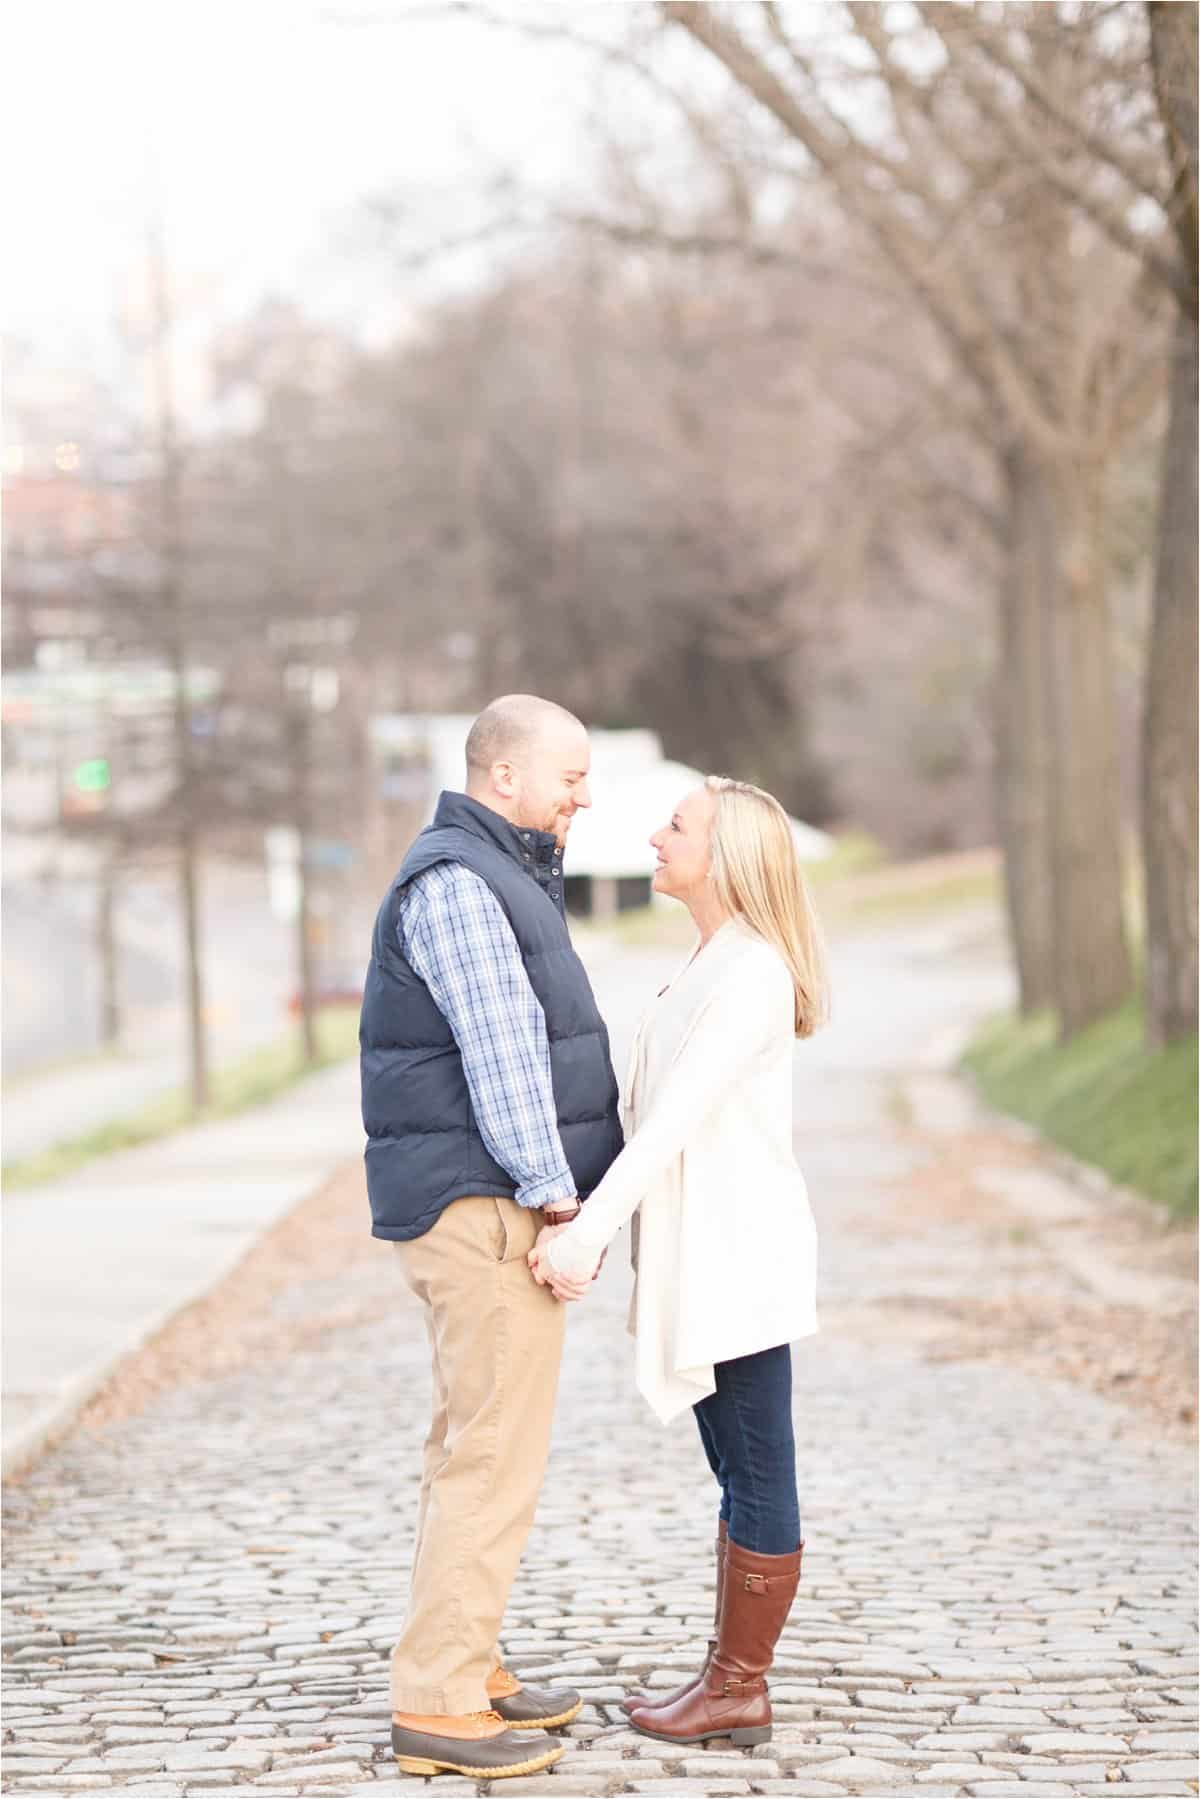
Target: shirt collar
point(536, 851)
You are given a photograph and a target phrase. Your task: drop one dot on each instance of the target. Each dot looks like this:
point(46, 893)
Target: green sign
point(93, 776)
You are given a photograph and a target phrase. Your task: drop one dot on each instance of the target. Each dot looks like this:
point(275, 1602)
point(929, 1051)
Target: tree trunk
point(1092, 969)
point(1169, 771)
point(1022, 735)
point(106, 944)
point(308, 996)
point(185, 803)
point(302, 776)
point(189, 885)
point(170, 600)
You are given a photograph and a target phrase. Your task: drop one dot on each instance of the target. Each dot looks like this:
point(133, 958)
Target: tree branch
point(1173, 56)
point(1140, 174)
point(983, 348)
point(1109, 217)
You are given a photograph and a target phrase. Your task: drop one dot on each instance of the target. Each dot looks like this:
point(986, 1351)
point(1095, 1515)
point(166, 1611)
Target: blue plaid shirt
point(453, 933)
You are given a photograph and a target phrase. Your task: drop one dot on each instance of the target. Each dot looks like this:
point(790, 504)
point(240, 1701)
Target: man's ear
point(504, 779)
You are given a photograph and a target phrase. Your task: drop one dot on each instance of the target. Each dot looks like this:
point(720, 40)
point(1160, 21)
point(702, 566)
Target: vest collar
point(534, 851)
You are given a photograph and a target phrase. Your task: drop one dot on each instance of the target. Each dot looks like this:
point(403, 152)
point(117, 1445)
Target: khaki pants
point(496, 1338)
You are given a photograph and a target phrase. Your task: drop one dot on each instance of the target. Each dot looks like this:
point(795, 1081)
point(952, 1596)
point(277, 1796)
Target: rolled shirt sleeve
point(456, 936)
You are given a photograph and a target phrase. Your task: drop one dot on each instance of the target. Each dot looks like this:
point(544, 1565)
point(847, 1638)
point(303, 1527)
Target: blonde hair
point(757, 875)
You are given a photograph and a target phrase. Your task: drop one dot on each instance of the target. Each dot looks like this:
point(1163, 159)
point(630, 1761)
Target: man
point(491, 1110)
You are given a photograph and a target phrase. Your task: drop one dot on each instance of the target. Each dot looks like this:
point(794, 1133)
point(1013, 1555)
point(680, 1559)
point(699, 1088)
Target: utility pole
point(298, 703)
point(106, 944)
point(106, 899)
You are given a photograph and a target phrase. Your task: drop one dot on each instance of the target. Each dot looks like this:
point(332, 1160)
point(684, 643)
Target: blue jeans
point(746, 1430)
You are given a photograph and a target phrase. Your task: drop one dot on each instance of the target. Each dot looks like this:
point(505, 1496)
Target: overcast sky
point(264, 122)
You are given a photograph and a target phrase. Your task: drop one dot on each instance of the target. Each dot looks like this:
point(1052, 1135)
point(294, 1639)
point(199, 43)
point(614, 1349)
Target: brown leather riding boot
point(654, 1700)
point(730, 1699)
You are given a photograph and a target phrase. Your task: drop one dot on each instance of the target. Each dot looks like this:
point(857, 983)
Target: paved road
point(51, 976)
point(52, 1004)
point(998, 1592)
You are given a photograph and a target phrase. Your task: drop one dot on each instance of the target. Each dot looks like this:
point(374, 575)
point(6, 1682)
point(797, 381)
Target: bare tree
point(995, 258)
point(170, 551)
point(679, 475)
point(1120, 178)
point(1169, 772)
point(281, 565)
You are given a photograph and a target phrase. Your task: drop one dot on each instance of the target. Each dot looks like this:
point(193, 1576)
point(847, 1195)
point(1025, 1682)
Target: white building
point(609, 863)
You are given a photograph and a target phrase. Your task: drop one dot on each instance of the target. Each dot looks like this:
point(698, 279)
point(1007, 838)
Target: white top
point(726, 1247)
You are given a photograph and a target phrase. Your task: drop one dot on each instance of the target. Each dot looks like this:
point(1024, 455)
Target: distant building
point(610, 864)
point(60, 533)
point(59, 721)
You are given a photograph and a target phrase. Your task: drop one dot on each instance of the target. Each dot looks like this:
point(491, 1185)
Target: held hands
point(563, 1286)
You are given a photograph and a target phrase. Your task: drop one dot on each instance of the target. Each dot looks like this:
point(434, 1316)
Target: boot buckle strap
point(736, 1686)
point(756, 1583)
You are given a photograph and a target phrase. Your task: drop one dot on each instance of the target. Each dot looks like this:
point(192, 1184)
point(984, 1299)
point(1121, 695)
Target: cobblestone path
point(999, 1583)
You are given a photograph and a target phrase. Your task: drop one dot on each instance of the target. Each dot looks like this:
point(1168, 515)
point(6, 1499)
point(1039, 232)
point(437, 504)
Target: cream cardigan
point(726, 1249)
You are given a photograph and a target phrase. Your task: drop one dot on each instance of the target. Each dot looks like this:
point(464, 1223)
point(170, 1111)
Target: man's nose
point(583, 796)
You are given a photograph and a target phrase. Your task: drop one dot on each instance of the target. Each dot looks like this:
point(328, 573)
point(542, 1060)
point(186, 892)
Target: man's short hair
point(504, 731)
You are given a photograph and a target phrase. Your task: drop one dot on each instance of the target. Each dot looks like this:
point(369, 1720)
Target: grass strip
point(253, 1079)
point(1103, 1096)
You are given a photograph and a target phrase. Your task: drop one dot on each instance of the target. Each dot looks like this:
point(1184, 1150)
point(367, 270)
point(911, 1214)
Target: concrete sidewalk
point(95, 1264)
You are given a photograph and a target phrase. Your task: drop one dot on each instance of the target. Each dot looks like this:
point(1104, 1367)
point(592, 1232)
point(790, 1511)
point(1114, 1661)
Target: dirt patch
point(942, 1188)
point(1141, 1354)
point(1140, 1359)
point(1122, 1352)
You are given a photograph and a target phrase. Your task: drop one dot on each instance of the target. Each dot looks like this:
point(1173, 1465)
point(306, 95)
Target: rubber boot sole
point(557, 1723)
point(420, 1764)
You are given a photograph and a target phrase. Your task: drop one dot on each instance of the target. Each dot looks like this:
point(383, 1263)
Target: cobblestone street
point(204, 1581)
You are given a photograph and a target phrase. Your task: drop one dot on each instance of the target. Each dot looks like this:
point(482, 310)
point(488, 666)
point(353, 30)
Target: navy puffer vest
point(424, 1148)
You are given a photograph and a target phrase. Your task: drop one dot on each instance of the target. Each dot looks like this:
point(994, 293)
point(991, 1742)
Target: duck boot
point(730, 1699)
point(478, 1744)
point(531, 1708)
point(657, 1699)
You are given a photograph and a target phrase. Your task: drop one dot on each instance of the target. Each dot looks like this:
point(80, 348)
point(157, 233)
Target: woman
point(725, 1244)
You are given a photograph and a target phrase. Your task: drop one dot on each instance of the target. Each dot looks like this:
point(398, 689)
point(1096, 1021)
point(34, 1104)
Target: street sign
point(322, 852)
point(93, 776)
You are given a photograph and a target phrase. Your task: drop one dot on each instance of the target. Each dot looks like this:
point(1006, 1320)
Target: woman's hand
point(563, 1286)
